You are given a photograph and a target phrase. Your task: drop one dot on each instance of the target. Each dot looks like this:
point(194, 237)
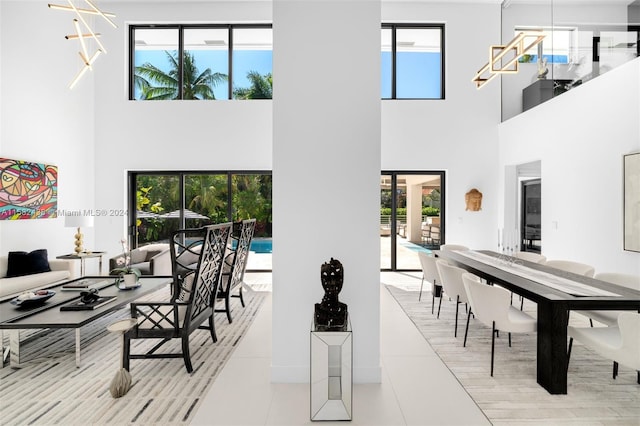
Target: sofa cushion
point(143, 267)
point(137, 256)
point(16, 285)
point(22, 263)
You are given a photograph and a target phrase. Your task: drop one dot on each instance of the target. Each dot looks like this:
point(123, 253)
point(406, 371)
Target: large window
point(167, 201)
point(412, 61)
point(200, 62)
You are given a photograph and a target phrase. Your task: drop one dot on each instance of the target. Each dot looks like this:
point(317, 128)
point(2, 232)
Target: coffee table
point(49, 316)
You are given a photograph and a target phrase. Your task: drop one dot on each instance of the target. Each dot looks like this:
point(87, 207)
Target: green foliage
point(155, 84)
point(204, 194)
point(261, 87)
point(430, 211)
point(426, 211)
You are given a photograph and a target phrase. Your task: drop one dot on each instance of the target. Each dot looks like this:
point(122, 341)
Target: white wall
point(326, 169)
point(43, 121)
point(458, 134)
point(580, 138)
point(180, 135)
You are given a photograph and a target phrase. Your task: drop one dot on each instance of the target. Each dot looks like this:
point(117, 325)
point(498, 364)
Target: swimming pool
point(413, 247)
point(261, 245)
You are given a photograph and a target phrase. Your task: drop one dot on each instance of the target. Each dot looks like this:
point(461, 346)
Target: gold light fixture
point(78, 222)
point(83, 38)
point(503, 59)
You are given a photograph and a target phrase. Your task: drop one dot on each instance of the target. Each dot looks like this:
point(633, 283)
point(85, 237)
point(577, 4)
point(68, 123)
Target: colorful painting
point(27, 190)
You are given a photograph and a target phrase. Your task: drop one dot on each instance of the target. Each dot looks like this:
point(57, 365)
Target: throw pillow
point(21, 263)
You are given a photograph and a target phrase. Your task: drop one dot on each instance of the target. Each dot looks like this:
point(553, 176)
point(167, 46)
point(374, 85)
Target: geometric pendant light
point(84, 38)
point(503, 59)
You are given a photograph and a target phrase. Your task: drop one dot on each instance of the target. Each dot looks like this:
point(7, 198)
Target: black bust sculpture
point(331, 314)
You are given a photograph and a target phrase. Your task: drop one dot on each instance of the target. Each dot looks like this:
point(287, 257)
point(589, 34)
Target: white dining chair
point(530, 256)
point(610, 318)
point(453, 286)
point(491, 305)
point(619, 343)
point(430, 273)
point(571, 266)
point(452, 247)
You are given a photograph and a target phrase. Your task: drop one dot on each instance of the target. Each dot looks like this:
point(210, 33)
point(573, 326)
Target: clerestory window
point(412, 61)
point(200, 62)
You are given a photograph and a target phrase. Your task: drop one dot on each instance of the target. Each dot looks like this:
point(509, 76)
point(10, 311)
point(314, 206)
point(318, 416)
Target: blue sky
point(418, 72)
point(243, 62)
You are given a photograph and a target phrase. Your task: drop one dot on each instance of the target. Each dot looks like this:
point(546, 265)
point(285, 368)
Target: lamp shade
point(78, 221)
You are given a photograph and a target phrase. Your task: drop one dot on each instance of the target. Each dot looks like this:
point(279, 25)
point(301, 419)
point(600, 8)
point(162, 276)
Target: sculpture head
point(332, 276)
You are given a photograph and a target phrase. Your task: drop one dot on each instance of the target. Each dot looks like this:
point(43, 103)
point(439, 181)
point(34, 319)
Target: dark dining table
point(556, 293)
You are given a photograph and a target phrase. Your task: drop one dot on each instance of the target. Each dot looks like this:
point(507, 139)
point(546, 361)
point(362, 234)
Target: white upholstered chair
point(492, 306)
point(619, 343)
point(571, 266)
point(452, 285)
point(530, 256)
point(451, 247)
point(430, 274)
point(610, 318)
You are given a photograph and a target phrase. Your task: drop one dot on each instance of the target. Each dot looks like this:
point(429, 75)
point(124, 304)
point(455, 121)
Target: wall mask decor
point(27, 190)
point(473, 200)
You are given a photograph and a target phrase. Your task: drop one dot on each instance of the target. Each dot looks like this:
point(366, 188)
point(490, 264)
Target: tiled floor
point(416, 389)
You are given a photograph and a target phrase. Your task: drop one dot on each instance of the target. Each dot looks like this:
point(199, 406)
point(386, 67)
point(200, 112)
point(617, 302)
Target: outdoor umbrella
point(188, 214)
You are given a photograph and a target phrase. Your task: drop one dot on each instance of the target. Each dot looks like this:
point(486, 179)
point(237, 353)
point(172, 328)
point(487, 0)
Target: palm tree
point(156, 84)
point(261, 87)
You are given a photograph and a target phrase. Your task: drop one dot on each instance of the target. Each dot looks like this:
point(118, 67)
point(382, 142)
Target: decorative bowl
point(37, 298)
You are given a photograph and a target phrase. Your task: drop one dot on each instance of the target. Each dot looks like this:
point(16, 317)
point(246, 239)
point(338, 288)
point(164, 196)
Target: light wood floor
point(512, 396)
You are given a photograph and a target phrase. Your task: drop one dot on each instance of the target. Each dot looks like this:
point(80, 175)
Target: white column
point(326, 171)
point(414, 213)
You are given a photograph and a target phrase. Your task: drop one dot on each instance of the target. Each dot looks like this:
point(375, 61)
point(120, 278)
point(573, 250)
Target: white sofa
point(61, 270)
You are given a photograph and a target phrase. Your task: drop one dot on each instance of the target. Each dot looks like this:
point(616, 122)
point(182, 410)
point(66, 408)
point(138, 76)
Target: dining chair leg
point(521, 302)
point(455, 331)
point(591, 322)
point(569, 352)
point(493, 344)
point(439, 304)
point(421, 284)
point(466, 330)
point(615, 370)
point(509, 339)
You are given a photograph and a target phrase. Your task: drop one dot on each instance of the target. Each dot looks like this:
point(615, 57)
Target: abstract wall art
point(27, 190)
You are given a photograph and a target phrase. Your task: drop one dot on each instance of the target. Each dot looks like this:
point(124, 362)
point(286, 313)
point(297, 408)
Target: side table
point(331, 374)
point(85, 255)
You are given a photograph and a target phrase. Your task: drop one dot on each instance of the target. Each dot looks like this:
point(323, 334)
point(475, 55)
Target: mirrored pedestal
point(331, 374)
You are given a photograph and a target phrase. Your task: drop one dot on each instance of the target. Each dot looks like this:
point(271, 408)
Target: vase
point(129, 280)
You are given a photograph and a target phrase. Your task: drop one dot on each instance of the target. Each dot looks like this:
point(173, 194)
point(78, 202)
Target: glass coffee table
point(48, 315)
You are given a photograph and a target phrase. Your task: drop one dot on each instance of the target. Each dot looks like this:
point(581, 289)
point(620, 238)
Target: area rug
point(512, 396)
point(48, 389)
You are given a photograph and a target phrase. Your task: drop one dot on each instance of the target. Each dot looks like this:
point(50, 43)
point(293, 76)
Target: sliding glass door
point(163, 202)
point(411, 217)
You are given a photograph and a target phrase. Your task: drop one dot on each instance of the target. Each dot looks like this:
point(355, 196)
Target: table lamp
point(78, 222)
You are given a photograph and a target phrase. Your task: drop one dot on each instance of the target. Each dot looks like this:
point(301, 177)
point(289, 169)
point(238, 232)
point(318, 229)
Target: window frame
point(394, 27)
point(181, 28)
